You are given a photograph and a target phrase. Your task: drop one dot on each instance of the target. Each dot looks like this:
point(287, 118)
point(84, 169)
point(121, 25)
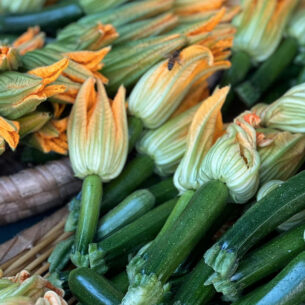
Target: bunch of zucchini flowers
point(131, 90)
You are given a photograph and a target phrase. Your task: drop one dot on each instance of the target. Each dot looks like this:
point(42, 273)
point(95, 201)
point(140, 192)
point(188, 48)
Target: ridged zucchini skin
point(261, 219)
point(287, 288)
point(49, 19)
point(91, 288)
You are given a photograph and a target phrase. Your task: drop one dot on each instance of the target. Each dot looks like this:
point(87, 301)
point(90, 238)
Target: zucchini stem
point(88, 219)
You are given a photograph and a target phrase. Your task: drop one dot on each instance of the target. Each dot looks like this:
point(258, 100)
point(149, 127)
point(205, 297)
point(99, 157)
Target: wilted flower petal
point(51, 137)
point(9, 133)
point(234, 160)
point(206, 127)
point(9, 59)
point(282, 156)
point(31, 40)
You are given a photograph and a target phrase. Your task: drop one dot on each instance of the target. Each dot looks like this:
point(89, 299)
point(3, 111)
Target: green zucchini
point(251, 90)
point(60, 255)
point(259, 220)
point(135, 172)
point(192, 291)
point(258, 264)
point(131, 208)
point(164, 190)
point(139, 232)
point(120, 281)
point(91, 288)
point(49, 18)
point(287, 288)
point(150, 270)
point(135, 129)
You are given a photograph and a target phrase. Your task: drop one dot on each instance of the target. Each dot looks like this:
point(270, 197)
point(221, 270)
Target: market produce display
point(164, 141)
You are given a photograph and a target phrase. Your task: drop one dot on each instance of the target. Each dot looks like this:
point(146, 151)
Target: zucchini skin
point(260, 220)
point(49, 19)
point(93, 289)
point(131, 208)
point(270, 258)
point(135, 172)
point(287, 288)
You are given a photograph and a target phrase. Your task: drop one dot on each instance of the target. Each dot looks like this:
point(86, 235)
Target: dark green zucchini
point(91, 288)
point(287, 288)
point(131, 208)
point(150, 270)
point(137, 233)
point(49, 18)
point(259, 220)
point(268, 259)
point(135, 172)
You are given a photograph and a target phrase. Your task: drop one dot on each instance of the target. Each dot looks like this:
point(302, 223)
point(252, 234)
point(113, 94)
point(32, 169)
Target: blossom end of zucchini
point(79, 260)
point(222, 260)
point(146, 289)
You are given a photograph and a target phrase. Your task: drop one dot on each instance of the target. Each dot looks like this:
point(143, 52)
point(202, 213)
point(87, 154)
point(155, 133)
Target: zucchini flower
point(160, 90)
point(9, 133)
point(287, 113)
point(166, 144)
point(28, 290)
point(75, 36)
point(33, 122)
point(83, 65)
point(186, 7)
point(9, 58)
point(21, 6)
point(51, 137)
point(98, 145)
point(21, 93)
point(281, 156)
point(261, 27)
point(234, 160)
point(31, 40)
point(206, 127)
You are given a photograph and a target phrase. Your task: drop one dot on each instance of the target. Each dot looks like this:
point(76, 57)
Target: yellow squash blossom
point(206, 127)
point(21, 93)
point(51, 137)
point(9, 59)
point(97, 132)
point(9, 133)
point(261, 26)
point(31, 40)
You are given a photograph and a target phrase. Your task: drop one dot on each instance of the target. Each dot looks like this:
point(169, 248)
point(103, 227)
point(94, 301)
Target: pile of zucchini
point(207, 206)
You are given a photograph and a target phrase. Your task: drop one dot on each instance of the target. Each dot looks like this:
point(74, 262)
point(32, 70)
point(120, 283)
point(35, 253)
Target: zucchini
point(120, 281)
point(259, 220)
point(91, 288)
point(135, 129)
point(131, 208)
point(164, 190)
point(149, 271)
point(287, 288)
point(137, 233)
point(250, 91)
point(49, 18)
point(192, 291)
point(135, 172)
point(268, 259)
